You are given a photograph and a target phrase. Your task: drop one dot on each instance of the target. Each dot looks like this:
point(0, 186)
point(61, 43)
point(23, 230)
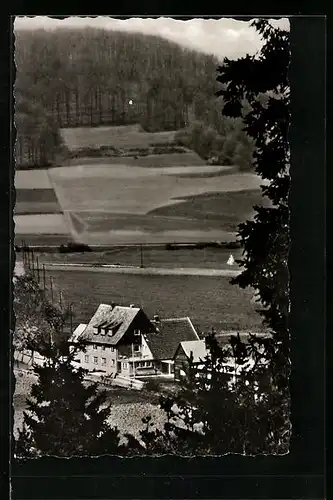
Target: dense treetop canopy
point(92, 77)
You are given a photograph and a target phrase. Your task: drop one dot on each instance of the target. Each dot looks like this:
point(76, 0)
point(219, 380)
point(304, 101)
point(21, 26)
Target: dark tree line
point(38, 141)
point(208, 415)
point(87, 77)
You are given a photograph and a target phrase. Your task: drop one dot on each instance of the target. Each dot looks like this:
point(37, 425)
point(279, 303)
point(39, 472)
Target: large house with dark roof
point(123, 340)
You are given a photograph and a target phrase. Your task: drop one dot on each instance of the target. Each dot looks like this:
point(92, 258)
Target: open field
point(38, 215)
point(36, 201)
point(120, 137)
point(113, 222)
point(125, 204)
point(206, 258)
point(32, 179)
point(209, 301)
point(187, 158)
point(41, 239)
point(120, 204)
point(160, 198)
point(142, 271)
point(229, 208)
point(138, 190)
point(41, 224)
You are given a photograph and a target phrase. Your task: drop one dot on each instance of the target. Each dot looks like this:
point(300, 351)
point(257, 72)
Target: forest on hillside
point(87, 77)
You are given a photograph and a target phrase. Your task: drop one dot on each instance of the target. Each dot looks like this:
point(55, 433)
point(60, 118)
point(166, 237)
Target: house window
point(112, 349)
point(136, 348)
point(95, 347)
point(125, 366)
point(112, 362)
point(103, 361)
point(86, 358)
point(103, 347)
point(95, 360)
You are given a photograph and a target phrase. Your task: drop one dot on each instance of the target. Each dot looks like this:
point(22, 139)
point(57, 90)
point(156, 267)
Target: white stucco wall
point(110, 355)
point(145, 351)
point(97, 357)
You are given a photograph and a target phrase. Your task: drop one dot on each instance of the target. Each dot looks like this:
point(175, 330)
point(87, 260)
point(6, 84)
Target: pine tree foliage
point(214, 412)
point(224, 405)
point(38, 141)
point(250, 415)
point(37, 320)
point(266, 238)
point(65, 416)
point(87, 77)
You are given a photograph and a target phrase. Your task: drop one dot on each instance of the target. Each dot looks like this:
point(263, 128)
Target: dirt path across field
point(109, 268)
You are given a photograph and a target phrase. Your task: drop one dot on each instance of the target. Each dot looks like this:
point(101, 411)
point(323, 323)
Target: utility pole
point(60, 299)
point(37, 262)
point(141, 256)
point(28, 258)
point(51, 287)
point(133, 361)
point(44, 279)
point(32, 262)
point(71, 318)
point(23, 254)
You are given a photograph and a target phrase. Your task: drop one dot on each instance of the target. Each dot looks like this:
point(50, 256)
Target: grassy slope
point(42, 239)
point(162, 160)
point(215, 211)
point(32, 179)
point(207, 258)
point(122, 137)
point(36, 201)
point(230, 208)
point(101, 221)
point(208, 301)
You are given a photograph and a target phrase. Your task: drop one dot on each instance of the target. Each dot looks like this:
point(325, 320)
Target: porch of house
point(138, 367)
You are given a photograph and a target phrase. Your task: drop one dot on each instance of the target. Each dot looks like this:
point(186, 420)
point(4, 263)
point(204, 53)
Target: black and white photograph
point(151, 282)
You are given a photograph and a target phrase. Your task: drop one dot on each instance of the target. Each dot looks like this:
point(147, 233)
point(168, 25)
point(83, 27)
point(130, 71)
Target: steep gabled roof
point(78, 332)
point(223, 336)
point(118, 318)
point(196, 347)
point(168, 335)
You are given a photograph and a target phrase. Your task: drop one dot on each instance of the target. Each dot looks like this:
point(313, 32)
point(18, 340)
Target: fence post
point(37, 263)
point(28, 258)
point(32, 262)
point(51, 287)
point(44, 279)
point(71, 318)
point(23, 255)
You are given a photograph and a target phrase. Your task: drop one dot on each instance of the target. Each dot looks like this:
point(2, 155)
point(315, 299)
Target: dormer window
point(100, 329)
point(111, 328)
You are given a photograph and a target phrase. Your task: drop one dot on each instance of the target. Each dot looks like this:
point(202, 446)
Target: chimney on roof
point(131, 306)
